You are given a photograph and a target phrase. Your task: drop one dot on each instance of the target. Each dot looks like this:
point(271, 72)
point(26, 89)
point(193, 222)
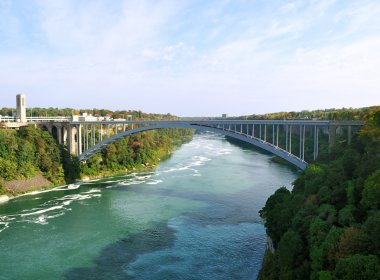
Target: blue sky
point(191, 57)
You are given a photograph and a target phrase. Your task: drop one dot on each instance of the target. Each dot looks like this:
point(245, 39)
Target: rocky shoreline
point(17, 187)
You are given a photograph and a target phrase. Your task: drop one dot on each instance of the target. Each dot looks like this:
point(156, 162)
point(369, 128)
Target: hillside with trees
point(328, 226)
point(135, 152)
point(29, 152)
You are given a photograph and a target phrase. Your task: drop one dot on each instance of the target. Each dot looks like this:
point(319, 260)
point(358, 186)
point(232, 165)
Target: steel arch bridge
point(264, 134)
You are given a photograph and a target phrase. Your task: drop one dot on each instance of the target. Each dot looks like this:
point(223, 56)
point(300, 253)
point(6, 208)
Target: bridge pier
point(300, 130)
point(260, 132)
point(93, 135)
point(290, 139)
point(332, 135)
point(265, 132)
point(277, 136)
point(315, 154)
point(349, 135)
point(79, 139)
point(59, 135)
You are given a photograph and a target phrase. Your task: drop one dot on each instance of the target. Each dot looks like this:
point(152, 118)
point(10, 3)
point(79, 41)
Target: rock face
point(20, 186)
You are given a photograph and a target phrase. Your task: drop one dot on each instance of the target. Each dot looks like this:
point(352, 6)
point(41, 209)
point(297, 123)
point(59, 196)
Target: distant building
point(224, 116)
point(85, 117)
point(21, 108)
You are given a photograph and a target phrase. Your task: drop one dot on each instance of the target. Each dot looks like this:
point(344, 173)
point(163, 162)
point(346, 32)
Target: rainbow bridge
point(85, 138)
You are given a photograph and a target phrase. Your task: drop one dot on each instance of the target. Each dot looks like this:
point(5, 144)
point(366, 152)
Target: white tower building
point(21, 108)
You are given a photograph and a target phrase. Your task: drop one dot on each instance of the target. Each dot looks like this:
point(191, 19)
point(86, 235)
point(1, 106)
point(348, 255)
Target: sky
point(191, 57)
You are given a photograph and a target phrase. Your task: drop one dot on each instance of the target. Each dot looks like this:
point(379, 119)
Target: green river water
point(194, 217)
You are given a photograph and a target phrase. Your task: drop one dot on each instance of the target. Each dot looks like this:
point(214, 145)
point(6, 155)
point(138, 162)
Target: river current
point(194, 217)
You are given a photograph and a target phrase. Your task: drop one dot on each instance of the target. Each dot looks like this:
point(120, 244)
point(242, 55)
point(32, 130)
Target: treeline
point(52, 112)
point(136, 151)
point(30, 151)
point(328, 226)
point(344, 114)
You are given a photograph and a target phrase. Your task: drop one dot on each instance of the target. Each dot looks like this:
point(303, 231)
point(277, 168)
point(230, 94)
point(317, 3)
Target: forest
point(328, 225)
point(343, 114)
point(53, 112)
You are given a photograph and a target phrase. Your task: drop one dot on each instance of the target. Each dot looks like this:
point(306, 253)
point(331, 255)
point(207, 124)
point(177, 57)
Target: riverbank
point(18, 187)
point(25, 185)
point(35, 157)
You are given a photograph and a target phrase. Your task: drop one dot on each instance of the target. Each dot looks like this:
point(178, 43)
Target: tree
point(371, 233)
point(358, 267)
point(371, 192)
point(290, 249)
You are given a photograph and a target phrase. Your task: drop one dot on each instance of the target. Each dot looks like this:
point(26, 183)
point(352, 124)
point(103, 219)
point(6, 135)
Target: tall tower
point(21, 108)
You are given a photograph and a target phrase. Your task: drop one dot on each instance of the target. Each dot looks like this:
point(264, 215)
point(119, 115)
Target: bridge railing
point(48, 119)
point(7, 119)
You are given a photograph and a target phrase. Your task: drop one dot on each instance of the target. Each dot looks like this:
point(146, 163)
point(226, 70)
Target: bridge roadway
point(255, 132)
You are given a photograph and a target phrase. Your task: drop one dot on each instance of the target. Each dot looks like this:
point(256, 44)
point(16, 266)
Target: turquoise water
point(195, 217)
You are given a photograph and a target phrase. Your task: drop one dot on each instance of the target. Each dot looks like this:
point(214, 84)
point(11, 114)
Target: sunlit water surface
point(195, 217)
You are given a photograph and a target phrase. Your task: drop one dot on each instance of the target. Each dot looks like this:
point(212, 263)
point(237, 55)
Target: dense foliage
point(27, 152)
point(135, 152)
point(344, 114)
point(30, 151)
point(328, 226)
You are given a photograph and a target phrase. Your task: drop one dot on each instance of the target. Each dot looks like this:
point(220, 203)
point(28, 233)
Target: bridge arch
point(235, 135)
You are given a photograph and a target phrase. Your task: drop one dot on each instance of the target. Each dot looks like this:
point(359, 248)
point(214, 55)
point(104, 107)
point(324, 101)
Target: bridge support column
point(59, 134)
point(315, 142)
point(253, 130)
point(64, 135)
point(79, 139)
point(290, 139)
point(87, 137)
point(108, 131)
point(300, 128)
point(260, 132)
point(277, 136)
point(71, 140)
point(332, 135)
point(84, 137)
point(273, 134)
point(93, 134)
point(349, 135)
point(286, 137)
point(265, 132)
point(303, 142)
point(69, 143)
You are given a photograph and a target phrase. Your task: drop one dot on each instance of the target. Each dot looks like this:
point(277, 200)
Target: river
point(194, 217)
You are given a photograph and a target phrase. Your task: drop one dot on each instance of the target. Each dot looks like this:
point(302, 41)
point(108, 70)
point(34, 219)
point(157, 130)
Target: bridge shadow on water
point(112, 261)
